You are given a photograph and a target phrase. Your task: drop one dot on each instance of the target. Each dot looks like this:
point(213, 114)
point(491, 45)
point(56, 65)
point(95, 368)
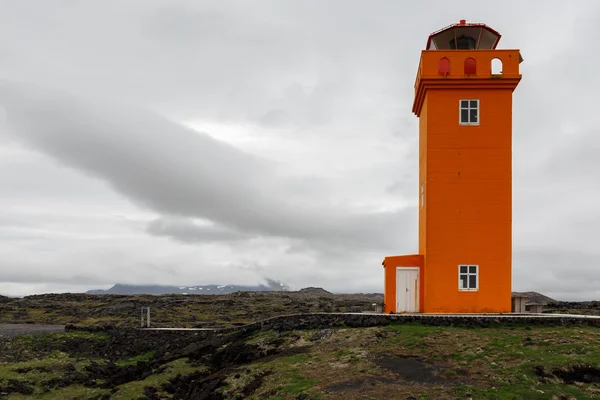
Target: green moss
point(74, 392)
point(39, 346)
point(54, 365)
point(133, 390)
point(50, 338)
point(262, 337)
point(450, 373)
point(411, 334)
point(523, 390)
point(39, 371)
point(297, 383)
point(508, 354)
point(342, 353)
point(142, 357)
point(286, 376)
point(514, 354)
point(283, 362)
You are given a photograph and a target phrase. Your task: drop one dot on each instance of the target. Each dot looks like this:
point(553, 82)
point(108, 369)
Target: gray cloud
point(309, 172)
point(174, 170)
point(18, 273)
point(189, 232)
point(563, 273)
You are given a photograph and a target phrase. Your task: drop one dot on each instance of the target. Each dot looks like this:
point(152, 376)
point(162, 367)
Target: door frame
point(417, 288)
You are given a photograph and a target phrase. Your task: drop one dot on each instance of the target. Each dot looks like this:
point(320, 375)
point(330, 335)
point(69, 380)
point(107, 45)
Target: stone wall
point(321, 321)
point(177, 338)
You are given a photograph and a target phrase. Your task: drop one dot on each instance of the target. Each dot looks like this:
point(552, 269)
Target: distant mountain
point(199, 289)
point(316, 291)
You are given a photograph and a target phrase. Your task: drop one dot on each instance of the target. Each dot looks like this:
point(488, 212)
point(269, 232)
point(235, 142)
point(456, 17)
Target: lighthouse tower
point(463, 99)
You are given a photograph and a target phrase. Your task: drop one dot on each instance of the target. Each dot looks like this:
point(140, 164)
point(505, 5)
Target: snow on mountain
point(271, 286)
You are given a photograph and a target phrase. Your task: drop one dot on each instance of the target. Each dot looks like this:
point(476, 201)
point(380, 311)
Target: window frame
point(422, 195)
point(468, 274)
point(460, 108)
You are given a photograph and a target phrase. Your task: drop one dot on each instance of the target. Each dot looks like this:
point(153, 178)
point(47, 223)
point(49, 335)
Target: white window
point(422, 195)
point(468, 277)
point(469, 112)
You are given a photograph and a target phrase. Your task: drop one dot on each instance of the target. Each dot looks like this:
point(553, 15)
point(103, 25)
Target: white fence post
point(147, 309)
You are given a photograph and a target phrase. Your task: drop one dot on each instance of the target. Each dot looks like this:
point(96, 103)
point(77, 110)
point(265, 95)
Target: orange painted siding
point(468, 178)
point(389, 267)
point(423, 209)
point(423, 177)
point(429, 78)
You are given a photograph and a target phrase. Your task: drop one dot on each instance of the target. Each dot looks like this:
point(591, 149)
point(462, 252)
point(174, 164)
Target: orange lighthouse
point(463, 99)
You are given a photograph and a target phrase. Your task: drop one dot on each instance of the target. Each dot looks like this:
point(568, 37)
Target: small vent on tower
point(470, 66)
point(444, 66)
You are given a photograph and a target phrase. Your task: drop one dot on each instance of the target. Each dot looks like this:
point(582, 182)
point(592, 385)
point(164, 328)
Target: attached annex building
point(464, 106)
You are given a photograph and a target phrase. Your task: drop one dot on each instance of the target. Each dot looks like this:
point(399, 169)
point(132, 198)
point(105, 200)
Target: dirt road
point(8, 330)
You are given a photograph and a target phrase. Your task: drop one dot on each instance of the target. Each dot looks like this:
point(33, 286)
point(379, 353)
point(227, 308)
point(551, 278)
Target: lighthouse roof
point(482, 36)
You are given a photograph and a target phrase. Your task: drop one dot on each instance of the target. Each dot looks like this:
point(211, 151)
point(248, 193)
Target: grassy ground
point(400, 361)
point(437, 363)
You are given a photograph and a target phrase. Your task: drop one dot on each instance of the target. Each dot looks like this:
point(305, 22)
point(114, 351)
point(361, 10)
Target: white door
point(407, 290)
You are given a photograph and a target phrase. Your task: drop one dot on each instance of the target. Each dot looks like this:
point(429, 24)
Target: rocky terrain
point(178, 310)
point(359, 360)
point(570, 307)
point(102, 354)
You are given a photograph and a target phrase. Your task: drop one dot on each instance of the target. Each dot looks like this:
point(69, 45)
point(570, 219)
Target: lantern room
point(464, 36)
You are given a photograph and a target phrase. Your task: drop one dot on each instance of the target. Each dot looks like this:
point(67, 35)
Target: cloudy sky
point(191, 142)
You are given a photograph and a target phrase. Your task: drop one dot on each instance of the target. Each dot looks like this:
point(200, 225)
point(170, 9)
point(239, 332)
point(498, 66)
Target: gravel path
point(8, 330)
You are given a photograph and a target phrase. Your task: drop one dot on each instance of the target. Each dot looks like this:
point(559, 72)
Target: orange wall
point(427, 73)
point(467, 170)
point(389, 267)
point(423, 176)
point(422, 209)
